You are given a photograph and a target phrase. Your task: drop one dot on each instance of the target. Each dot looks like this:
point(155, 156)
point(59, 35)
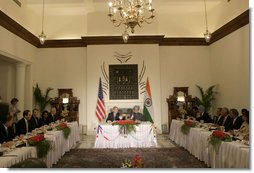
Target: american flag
point(100, 108)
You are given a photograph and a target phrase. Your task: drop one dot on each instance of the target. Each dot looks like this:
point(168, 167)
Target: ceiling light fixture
point(130, 13)
point(207, 33)
point(42, 36)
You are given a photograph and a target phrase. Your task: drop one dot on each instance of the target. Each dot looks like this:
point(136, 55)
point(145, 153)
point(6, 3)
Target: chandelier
point(42, 36)
point(207, 33)
point(130, 13)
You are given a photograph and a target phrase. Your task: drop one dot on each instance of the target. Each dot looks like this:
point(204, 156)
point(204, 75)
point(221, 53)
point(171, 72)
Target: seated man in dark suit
point(114, 115)
point(237, 120)
point(203, 115)
point(6, 132)
point(136, 115)
point(23, 124)
point(52, 116)
point(228, 121)
point(220, 120)
point(217, 116)
point(34, 122)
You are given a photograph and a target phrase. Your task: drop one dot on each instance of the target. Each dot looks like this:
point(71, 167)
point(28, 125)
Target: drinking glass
point(222, 128)
point(34, 132)
point(15, 141)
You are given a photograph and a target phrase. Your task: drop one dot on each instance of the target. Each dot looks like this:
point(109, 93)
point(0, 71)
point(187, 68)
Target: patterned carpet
point(112, 158)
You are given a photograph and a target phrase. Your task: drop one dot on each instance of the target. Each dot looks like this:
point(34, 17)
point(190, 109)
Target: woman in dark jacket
point(43, 120)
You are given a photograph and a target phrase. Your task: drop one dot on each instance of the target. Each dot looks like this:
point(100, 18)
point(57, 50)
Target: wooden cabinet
point(66, 104)
point(173, 101)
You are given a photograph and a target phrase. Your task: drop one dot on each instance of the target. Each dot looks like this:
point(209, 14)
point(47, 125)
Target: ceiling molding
point(20, 31)
point(146, 39)
point(62, 43)
point(14, 27)
point(183, 42)
point(17, 2)
point(231, 26)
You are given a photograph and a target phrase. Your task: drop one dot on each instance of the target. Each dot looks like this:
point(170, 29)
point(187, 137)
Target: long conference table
point(229, 155)
point(108, 136)
point(60, 145)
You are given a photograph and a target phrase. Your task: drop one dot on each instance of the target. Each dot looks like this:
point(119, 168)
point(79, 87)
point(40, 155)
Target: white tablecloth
point(59, 143)
point(229, 154)
point(108, 136)
point(16, 156)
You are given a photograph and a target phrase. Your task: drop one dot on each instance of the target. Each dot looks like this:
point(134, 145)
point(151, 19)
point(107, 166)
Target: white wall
point(230, 67)
point(76, 25)
point(96, 55)
point(183, 66)
point(16, 48)
point(225, 12)
point(61, 68)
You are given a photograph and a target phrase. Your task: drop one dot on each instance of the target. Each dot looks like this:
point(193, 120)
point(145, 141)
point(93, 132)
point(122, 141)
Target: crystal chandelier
point(207, 33)
point(130, 13)
point(42, 36)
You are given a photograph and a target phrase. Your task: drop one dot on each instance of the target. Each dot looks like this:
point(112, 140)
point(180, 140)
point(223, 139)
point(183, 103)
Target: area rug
point(112, 158)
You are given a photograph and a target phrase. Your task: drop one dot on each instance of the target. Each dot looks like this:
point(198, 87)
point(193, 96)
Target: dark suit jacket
point(33, 124)
point(112, 118)
point(220, 121)
point(237, 124)
point(21, 127)
point(43, 122)
point(138, 116)
point(4, 136)
point(215, 119)
point(228, 123)
point(205, 117)
point(52, 118)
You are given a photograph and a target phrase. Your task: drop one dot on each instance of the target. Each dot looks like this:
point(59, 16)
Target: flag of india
point(148, 104)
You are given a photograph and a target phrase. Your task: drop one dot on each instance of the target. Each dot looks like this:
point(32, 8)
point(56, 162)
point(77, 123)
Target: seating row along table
point(229, 154)
point(60, 145)
point(109, 136)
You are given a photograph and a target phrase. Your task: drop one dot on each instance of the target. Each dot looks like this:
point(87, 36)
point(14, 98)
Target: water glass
point(34, 132)
point(15, 141)
point(222, 128)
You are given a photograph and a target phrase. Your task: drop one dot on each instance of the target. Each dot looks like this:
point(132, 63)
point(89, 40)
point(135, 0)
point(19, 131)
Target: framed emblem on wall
point(123, 82)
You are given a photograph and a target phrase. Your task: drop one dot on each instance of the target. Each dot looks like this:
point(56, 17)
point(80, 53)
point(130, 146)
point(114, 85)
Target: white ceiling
point(84, 6)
